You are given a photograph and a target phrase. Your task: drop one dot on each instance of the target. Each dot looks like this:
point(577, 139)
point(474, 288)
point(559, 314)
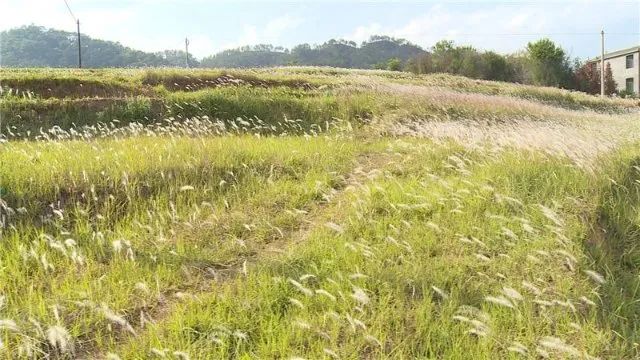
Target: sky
point(212, 26)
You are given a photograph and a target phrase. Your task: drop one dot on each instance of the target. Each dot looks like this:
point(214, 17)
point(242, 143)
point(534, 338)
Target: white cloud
point(270, 33)
point(117, 23)
point(503, 27)
point(363, 33)
point(276, 27)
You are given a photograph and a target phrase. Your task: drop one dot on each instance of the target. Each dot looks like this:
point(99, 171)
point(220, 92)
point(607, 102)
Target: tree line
point(37, 46)
point(542, 62)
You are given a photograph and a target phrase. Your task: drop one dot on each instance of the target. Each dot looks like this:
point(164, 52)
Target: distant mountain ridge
point(36, 46)
point(339, 53)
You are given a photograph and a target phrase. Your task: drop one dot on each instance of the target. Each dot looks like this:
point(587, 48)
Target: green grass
point(167, 221)
point(319, 240)
point(35, 98)
point(391, 250)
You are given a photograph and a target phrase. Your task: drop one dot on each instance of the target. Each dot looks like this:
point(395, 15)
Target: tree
point(587, 79)
point(176, 58)
point(550, 64)
point(422, 64)
point(34, 46)
point(495, 67)
point(374, 53)
point(394, 64)
point(446, 57)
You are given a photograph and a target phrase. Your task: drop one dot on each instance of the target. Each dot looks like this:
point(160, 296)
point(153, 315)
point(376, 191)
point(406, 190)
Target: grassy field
point(314, 213)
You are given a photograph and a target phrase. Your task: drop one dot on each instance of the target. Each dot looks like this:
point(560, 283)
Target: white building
point(625, 67)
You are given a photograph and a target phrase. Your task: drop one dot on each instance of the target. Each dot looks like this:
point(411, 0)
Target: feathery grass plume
point(306, 276)
point(568, 255)
point(117, 319)
point(326, 294)
point(440, 292)
point(512, 293)
point(567, 304)
point(434, 226)
point(518, 348)
point(240, 335)
point(302, 324)
point(59, 338)
point(162, 353)
point(355, 323)
point(296, 302)
point(181, 355)
point(477, 332)
point(356, 276)
point(331, 353)
point(300, 287)
point(528, 228)
point(542, 352)
point(372, 339)
point(509, 233)
point(112, 356)
point(142, 287)
point(595, 276)
point(8, 324)
point(360, 296)
point(543, 302)
point(551, 215)
point(499, 300)
point(117, 246)
point(586, 300)
point(555, 344)
point(335, 227)
point(532, 288)
point(482, 257)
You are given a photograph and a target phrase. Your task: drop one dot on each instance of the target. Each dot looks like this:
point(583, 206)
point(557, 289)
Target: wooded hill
point(36, 46)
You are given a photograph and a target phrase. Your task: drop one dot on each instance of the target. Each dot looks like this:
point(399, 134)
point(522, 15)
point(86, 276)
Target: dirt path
point(367, 167)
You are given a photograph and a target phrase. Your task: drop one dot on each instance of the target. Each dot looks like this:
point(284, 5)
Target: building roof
point(617, 53)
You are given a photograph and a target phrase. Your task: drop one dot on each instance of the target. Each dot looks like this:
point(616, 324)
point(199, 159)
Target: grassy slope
point(346, 245)
point(76, 98)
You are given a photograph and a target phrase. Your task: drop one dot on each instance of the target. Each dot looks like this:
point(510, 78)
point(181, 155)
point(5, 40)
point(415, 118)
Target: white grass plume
point(360, 296)
point(440, 292)
point(499, 300)
point(512, 293)
point(301, 287)
point(595, 276)
point(556, 344)
point(59, 338)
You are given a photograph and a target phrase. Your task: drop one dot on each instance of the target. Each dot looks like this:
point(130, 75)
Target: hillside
point(337, 53)
point(314, 212)
point(34, 46)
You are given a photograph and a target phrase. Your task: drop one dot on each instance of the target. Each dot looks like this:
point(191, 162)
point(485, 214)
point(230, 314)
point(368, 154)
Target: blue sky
point(503, 26)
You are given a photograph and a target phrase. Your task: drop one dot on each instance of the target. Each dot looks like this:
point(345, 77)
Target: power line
point(70, 12)
point(78, 25)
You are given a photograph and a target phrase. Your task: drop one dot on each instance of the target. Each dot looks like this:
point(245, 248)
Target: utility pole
point(602, 63)
point(79, 47)
point(186, 50)
point(78, 25)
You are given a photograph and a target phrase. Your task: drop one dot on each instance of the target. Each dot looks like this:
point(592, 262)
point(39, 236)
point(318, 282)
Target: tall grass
point(381, 216)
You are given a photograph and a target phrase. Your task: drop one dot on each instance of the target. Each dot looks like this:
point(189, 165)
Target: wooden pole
point(79, 46)
point(602, 63)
